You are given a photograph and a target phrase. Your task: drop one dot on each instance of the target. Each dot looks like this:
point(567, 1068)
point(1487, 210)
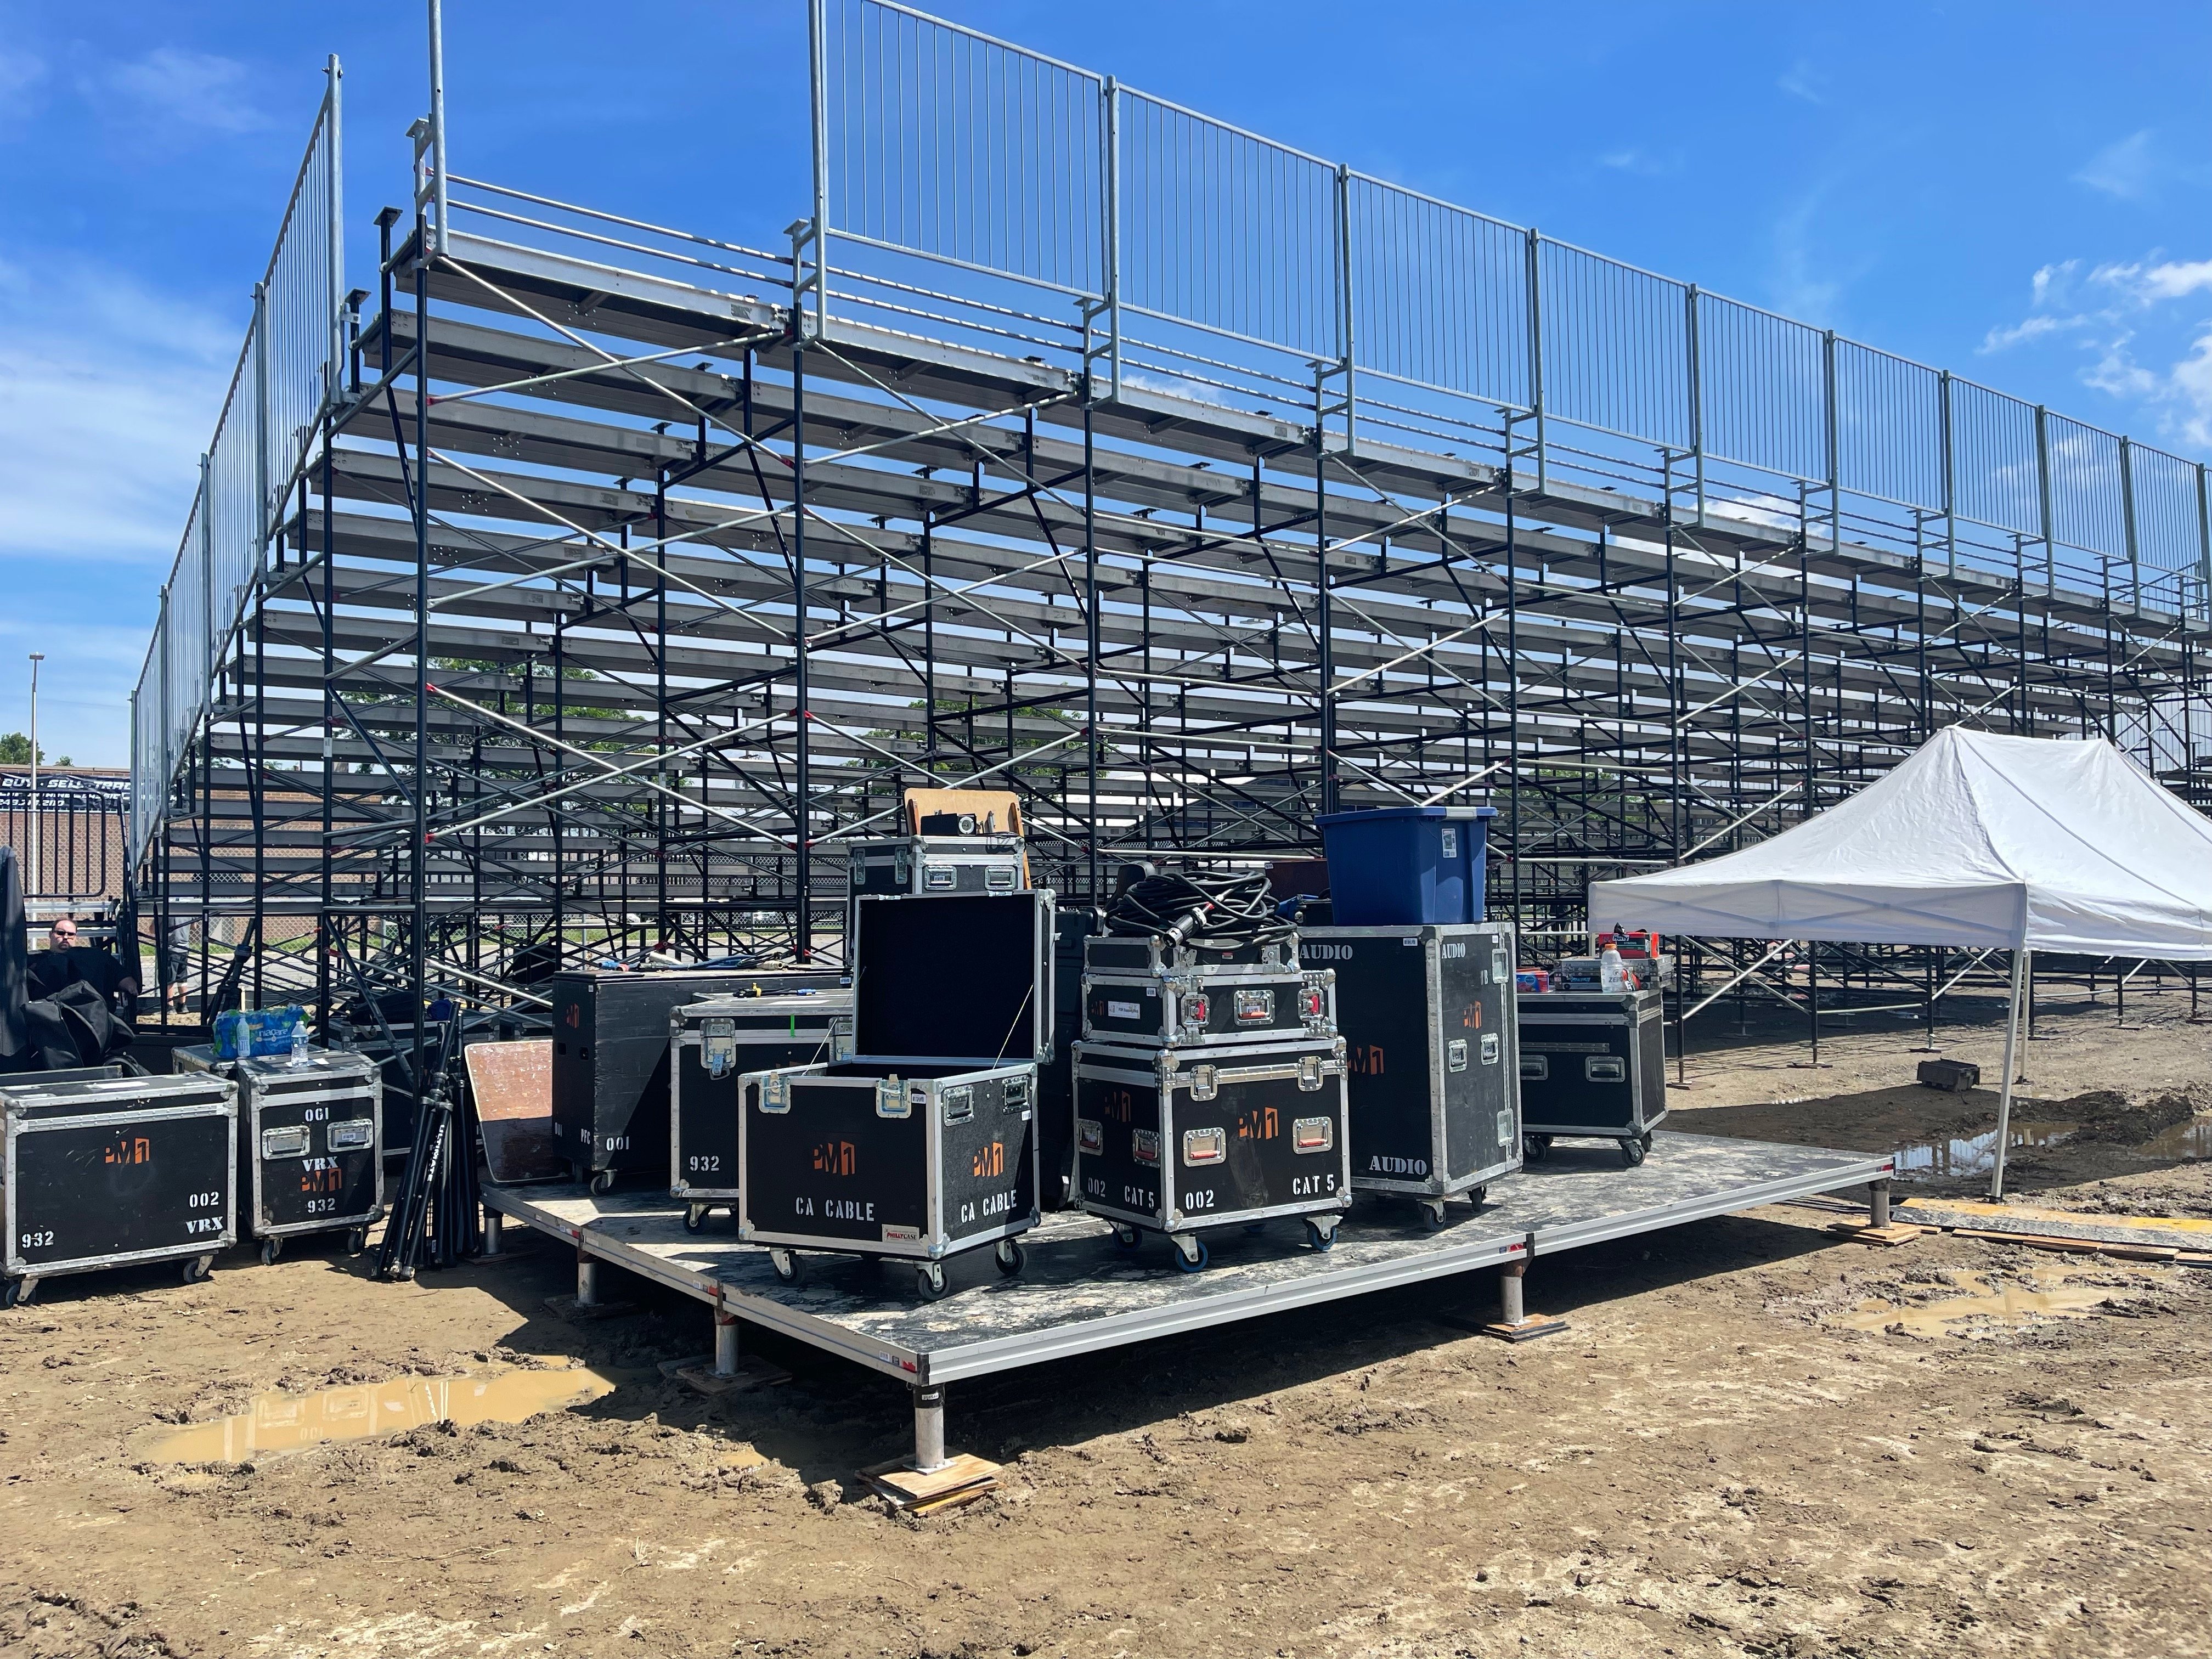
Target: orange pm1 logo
point(572, 1016)
point(1366, 1060)
point(834, 1158)
point(130, 1149)
point(1260, 1123)
point(990, 1161)
point(1471, 1016)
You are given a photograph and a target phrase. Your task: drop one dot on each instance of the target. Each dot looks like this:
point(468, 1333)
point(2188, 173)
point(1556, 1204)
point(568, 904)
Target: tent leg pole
point(2004, 1099)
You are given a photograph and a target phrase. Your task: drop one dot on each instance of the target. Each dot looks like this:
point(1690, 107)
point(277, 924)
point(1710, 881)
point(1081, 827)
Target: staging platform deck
point(1080, 1292)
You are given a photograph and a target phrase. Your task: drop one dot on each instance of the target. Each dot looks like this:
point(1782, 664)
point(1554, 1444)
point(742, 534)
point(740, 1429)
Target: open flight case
point(711, 1045)
point(1427, 1015)
point(923, 1145)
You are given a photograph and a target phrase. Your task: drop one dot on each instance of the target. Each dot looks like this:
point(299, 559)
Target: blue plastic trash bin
point(1401, 866)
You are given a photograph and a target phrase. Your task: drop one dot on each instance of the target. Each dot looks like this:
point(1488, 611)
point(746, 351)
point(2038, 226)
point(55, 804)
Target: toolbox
point(712, 1043)
point(923, 1145)
point(1593, 1064)
point(101, 1168)
point(1192, 1006)
point(310, 1147)
point(1177, 1140)
point(1427, 1015)
point(610, 1059)
point(1952, 1075)
point(937, 863)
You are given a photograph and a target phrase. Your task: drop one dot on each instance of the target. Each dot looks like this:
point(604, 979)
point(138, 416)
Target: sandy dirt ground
point(1754, 1438)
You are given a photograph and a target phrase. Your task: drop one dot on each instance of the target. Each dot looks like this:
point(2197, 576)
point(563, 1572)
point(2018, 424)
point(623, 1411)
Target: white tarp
point(2036, 843)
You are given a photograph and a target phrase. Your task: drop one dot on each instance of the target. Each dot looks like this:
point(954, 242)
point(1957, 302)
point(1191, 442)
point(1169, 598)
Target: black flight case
point(1427, 1015)
point(1196, 1005)
point(1593, 1063)
point(610, 1059)
point(711, 1045)
point(924, 1144)
point(310, 1147)
point(101, 1168)
point(1176, 1140)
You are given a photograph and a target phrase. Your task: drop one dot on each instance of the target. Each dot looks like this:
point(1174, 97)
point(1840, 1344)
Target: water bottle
point(300, 1042)
point(1611, 975)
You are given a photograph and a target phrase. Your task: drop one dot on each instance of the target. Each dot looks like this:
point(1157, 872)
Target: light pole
point(32, 886)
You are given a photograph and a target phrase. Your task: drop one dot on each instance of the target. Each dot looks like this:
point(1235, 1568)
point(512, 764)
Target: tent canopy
point(1975, 840)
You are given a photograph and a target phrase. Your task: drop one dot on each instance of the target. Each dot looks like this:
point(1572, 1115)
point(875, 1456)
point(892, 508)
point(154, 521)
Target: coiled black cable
point(1205, 908)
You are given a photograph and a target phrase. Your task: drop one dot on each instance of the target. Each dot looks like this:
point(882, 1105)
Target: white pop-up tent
point(2022, 844)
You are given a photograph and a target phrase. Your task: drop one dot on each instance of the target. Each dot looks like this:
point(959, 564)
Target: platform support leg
point(587, 1281)
point(929, 1430)
point(1878, 1204)
point(726, 1344)
point(1512, 1299)
point(494, 1233)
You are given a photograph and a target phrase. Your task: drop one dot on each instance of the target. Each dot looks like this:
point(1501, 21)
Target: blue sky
point(2019, 192)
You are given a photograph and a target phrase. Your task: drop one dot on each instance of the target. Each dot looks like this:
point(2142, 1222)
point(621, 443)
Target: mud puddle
point(365, 1411)
point(1986, 1310)
point(1973, 1155)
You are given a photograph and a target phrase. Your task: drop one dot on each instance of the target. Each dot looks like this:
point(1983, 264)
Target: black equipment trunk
point(922, 1161)
point(1177, 1139)
point(1196, 1007)
point(711, 1045)
point(610, 1057)
point(1427, 1015)
point(104, 1170)
point(1592, 1064)
point(1108, 953)
point(924, 1144)
point(310, 1144)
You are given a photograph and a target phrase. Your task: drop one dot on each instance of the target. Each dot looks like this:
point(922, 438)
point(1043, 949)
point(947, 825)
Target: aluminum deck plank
point(1080, 1293)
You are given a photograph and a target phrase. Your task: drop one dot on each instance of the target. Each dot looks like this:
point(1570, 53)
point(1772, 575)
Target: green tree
point(15, 750)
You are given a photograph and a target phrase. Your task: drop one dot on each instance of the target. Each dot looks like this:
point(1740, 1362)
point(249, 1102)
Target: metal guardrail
point(1166, 247)
point(289, 369)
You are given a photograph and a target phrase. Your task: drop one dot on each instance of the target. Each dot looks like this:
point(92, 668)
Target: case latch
point(1309, 1072)
point(891, 1097)
point(718, 1046)
point(776, 1092)
point(1205, 1083)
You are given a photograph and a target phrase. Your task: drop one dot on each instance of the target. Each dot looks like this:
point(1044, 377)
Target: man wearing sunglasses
point(67, 960)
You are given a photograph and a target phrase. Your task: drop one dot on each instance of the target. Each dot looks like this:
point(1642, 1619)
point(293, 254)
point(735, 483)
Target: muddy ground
point(1735, 1449)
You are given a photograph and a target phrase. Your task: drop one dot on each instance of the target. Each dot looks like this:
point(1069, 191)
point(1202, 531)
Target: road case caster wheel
point(603, 1182)
point(1009, 1257)
point(199, 1269)
point(694, 1218)
point(1534, 1149)
point(1645, 1140)
point(1191, 1258)
point(1322, 1238)
point(1127, 1238)
point(786, 1265)
point(13, 1293)
point(1478, 1196)
point(929, 1278)
point(270, 1249)
point(356, 1241)
point(1432, 1214)
point(1631, 1152)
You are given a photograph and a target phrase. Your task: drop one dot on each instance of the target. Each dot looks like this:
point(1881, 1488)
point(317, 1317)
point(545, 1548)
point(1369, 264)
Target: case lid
point(956, 976)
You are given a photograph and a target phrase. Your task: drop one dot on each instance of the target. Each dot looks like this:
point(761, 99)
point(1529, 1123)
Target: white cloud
point(2028, 328)
point(2148, 285)
point(19, 72)
point(109, 391)
point(1640, 161)
point(1802, 82)
point(194, 88)
point(2125, 169)
point(2051, 281)
point(2191, 380)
